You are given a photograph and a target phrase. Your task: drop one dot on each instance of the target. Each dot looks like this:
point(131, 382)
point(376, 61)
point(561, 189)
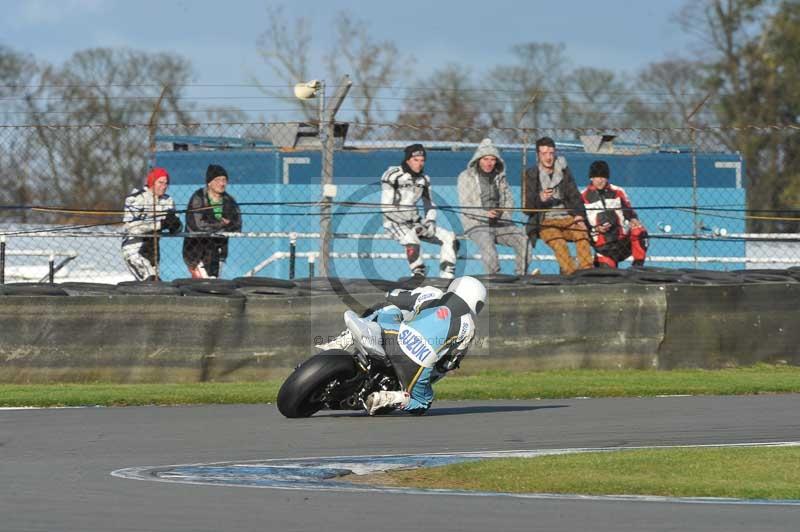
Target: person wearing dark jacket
point(555, 208)
point(210, 210)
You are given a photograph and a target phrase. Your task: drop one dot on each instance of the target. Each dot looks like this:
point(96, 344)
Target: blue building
point(274, 186)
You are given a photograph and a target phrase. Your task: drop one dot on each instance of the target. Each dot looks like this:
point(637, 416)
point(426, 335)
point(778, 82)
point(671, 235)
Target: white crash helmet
point(471, 291)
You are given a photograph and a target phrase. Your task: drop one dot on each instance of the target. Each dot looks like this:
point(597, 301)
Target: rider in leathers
point(432, 329)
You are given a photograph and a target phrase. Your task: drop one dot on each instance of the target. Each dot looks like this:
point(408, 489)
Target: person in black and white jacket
point(148, 211)
point(401, 188)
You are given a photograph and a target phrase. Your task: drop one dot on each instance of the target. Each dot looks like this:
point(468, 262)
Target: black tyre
point(415, 281)
point(32, 289)
point(546, 280)
point(301, 394)
point(777, 276)
point(497, 278)
point(655, 277)
point(88, 289)
point(211, 289)
point(259, 291)
point(600, 276)
point(218, 283)
point(710, 277)
point(263, 282)
point(148, 288)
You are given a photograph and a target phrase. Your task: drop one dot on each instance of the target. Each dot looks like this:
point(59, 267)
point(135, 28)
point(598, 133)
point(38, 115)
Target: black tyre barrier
point(655, 277)
point(272, 282)
point(600, 276)
point(652, 269)
point(761, 277)
point(546, 280)
point(321, 284)
point(210, 290)
point(380, 285)
point(189, 281)
point(264, 291)
point(415, 281)
point(497, 278)
point(147, 288)
point(32, 289)
point(88, 289)
point(710, 277)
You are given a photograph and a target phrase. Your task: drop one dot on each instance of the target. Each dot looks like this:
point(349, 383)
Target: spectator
point(148, 211)
point(487, 206)
point(616, 230)
point(557, 212)
point(401, 188)
point(210, 210)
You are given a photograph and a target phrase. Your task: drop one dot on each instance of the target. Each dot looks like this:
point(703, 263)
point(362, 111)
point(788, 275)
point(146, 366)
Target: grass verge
point(746, 473)
point(482, 386)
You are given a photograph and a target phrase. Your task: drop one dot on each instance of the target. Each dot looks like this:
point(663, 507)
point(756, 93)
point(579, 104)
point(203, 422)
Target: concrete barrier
point(136, 338)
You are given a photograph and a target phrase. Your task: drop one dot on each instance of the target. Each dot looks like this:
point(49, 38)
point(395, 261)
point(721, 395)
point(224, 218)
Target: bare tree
point(374, 66)
point(594, 98)
point(666, 93)
point(286, 50)
point(446, 106)
point(83, 149)
point(752, 70)
point(530, 92)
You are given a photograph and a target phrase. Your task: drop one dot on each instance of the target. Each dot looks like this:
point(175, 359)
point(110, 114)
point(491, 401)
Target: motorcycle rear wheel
point(301, 395)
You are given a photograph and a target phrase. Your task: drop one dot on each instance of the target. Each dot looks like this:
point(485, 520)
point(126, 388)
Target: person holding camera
point(616, 230)
point(555, 209)
point(401, 189)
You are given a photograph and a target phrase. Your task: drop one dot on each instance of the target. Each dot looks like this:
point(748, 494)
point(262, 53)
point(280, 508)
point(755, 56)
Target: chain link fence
point(314, 202)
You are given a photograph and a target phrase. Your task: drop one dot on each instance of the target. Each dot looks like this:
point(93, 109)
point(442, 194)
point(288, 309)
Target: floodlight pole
point(326, 138)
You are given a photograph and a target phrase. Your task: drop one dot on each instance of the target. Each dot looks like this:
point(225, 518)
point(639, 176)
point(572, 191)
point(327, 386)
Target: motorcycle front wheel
point(303, 393)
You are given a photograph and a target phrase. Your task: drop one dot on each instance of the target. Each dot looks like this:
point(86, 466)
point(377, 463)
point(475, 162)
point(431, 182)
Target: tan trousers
point(556, 232)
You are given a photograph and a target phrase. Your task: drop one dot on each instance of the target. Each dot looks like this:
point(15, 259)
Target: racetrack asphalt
point(56, 465)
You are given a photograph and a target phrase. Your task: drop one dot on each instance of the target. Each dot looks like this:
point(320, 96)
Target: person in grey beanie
point(486, 208)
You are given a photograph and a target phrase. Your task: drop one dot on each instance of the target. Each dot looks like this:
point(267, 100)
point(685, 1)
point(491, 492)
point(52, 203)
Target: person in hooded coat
point(487, 206)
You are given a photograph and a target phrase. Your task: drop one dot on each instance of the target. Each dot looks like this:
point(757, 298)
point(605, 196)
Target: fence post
point(3, 259)
point(52, 265)
point(693, 133)
point(327, 133)
point(311, 259)
point(697, 223)
point(292, 253)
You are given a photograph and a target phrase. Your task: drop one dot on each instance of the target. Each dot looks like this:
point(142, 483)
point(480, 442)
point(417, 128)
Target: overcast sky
point(219, 37)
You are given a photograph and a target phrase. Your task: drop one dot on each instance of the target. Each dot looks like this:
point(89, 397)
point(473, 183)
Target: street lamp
point(316, 89)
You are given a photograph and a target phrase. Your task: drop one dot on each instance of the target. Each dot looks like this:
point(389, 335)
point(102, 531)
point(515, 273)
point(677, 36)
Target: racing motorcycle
point(339, 379)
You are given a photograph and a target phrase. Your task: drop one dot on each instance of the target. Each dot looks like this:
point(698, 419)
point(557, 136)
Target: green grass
point(620, 383)
point(137, 394)
point(747, 473)
point(484, 386)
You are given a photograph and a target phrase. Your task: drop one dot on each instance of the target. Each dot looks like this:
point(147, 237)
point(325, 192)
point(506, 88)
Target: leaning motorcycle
point(339, 379)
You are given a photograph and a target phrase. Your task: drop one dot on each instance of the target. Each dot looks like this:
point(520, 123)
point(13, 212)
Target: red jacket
point(611, 205)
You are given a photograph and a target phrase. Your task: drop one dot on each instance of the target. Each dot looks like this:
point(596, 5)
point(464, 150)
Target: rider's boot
point(343, 341)
point(386, 400)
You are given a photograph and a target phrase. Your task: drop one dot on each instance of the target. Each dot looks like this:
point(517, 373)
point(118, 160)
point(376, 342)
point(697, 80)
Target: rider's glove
point(427, 229)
